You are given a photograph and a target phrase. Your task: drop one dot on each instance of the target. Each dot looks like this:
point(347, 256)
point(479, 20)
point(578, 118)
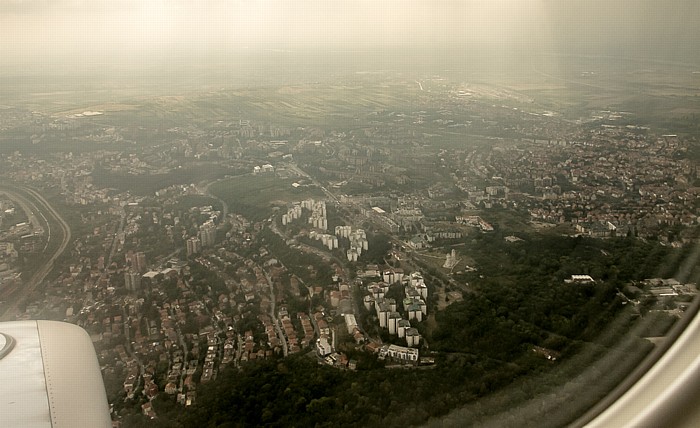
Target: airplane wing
point(50, 377)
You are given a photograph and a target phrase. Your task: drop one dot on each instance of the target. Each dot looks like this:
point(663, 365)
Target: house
point(417, 242)
point(148, 411)
point(373, 347)
point(170, 388)
point(323, 329)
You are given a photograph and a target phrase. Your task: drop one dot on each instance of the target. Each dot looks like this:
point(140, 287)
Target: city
point(189, 249)
point(355, 214)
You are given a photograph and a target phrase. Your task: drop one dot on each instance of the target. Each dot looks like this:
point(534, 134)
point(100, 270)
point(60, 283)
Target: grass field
point(253, 196)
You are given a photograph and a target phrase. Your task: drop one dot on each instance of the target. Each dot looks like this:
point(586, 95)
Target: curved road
point(30, 197)
point(205, 189)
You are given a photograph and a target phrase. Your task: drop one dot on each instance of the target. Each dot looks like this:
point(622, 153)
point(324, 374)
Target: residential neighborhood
point(195, 248)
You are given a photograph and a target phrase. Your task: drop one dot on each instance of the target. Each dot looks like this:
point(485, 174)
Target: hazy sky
point(89, 29)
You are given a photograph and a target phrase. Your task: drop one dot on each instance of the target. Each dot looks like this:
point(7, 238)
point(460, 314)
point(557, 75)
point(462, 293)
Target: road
point(205, 189)
point(273, 315)
point(208, 192)
point(301, 172)
point(30, 197)
point(115, 240)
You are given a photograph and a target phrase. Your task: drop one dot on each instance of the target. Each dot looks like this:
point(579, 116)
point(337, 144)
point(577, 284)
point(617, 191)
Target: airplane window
point(396, 213)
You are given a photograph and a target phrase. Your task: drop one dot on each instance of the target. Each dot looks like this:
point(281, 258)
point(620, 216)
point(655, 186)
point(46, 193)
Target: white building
point(412, 337)
point(414, 312)
point(376, 290)
point(368, 301)
point(383, 314)
point(451, 260)
point(323, 347)
point(394, 318)
point(402, 326)
point(207, 233)
point(581, 279)
point(350, 323)
point(388, 276)
point(194, 246)
point(402, 353)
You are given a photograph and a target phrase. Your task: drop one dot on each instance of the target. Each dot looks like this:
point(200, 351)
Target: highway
point(28, 197)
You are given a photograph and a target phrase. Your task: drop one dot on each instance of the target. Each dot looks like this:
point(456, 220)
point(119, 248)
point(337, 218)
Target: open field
point(146, 184)
point(655, 92)
point(255, 195)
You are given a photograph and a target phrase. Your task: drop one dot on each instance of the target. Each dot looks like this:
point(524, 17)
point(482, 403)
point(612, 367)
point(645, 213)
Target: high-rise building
point(141, 261)
point(207, 233)
point(132, 280)
point(136, 261)
point(130, 258)
point(194, 245)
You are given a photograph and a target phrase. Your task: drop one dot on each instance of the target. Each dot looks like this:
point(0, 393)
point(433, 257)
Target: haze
point(76, 33)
